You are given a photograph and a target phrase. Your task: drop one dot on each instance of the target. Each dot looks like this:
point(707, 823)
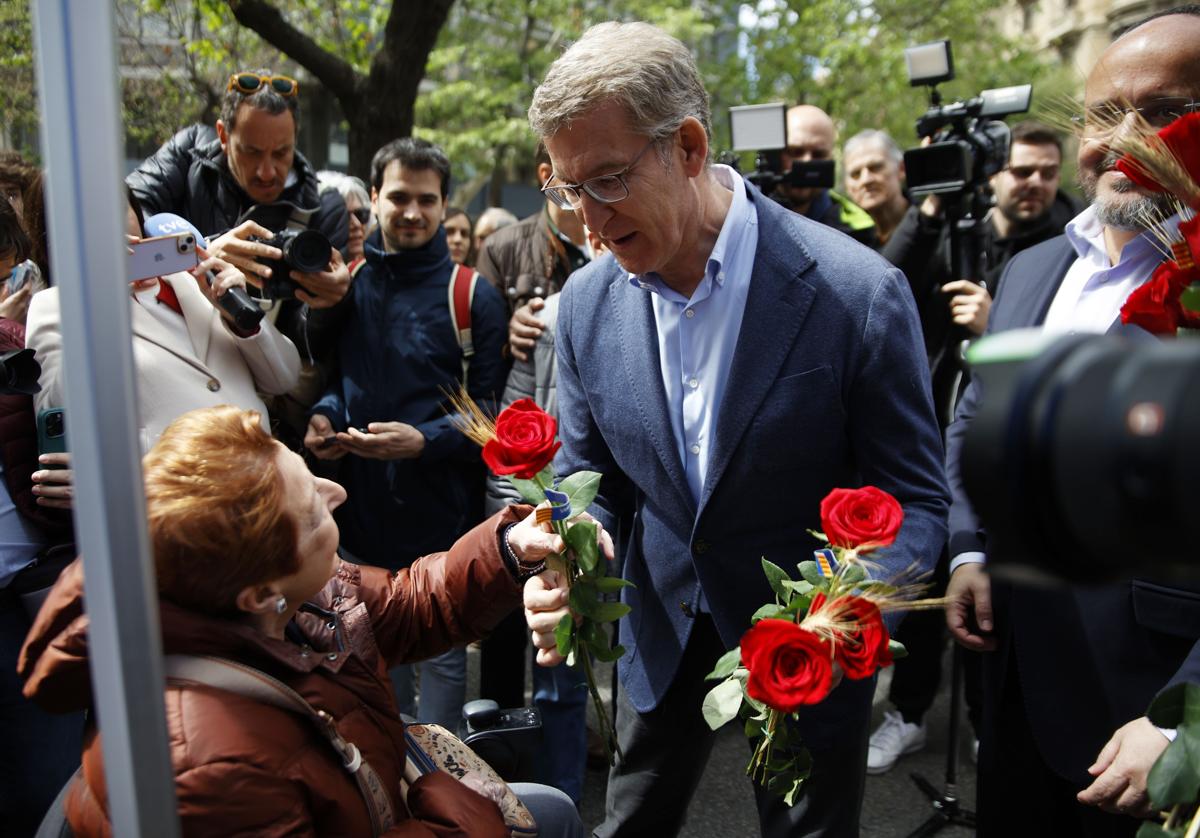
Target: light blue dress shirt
point(697, 336)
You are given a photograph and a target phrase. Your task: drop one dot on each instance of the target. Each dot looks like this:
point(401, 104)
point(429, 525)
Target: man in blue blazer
point(729, 367)
point(1066, 745)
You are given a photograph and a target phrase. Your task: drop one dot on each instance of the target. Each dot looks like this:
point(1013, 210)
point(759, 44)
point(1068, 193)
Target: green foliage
point(726, 664)
point(18, 97)
point(722, 703)
point(1174, 781)
point(580, 489)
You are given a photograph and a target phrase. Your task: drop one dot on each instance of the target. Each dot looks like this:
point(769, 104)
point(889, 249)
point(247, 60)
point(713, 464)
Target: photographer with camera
point(1070, 672)
point(187, 350)
point(245, 185)
point(811, 135)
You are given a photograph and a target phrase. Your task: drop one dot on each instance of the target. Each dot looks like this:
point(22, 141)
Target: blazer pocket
point(1173, 611)
point(800, 422)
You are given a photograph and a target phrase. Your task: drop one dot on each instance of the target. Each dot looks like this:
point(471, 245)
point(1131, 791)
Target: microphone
point(235, 302)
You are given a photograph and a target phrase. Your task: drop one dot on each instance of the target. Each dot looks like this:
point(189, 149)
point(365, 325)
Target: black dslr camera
point(306, 251)
point(763, 130)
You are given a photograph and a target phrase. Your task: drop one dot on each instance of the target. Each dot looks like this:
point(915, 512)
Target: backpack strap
point(460, 295)
point(234, 677)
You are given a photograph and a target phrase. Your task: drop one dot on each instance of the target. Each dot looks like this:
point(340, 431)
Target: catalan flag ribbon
point(826, 563)
point(560, 505)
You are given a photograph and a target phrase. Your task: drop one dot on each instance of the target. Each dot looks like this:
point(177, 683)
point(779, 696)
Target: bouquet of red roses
point(519, 446)
point(831, 615)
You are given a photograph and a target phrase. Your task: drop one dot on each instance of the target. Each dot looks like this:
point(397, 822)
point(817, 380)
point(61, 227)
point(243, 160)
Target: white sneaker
point(891, 740)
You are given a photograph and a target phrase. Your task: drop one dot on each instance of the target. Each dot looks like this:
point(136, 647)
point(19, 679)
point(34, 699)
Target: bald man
point(1066, 745)
point(811, 135)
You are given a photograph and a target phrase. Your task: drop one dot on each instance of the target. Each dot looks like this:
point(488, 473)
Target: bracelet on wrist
point(523, 570)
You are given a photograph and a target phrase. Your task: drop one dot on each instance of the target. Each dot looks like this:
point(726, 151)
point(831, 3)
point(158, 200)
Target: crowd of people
point(721, 358)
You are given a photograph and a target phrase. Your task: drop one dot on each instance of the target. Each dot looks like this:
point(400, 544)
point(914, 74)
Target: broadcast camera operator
point(1070, 671)
point(811, 135)
point(1029, 209)
point(248, 182)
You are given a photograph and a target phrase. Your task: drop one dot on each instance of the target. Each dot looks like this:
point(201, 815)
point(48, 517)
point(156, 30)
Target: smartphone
point(51, 431)
point(327, 441)
point(18, 278)
point(162, 255)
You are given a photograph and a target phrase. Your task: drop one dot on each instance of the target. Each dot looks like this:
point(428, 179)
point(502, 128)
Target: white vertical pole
point(81, 144)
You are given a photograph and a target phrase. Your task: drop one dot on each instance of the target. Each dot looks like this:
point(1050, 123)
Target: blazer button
point(213, 385)
point(700, 547)
point(686, 609)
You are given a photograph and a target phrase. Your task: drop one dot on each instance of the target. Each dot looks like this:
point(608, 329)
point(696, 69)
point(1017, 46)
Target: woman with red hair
point(245, 550)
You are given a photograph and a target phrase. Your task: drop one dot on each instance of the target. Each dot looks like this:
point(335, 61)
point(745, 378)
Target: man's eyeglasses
point(247, 83)
point(607, 189)
point(1048, 173)
point(1103, 118)
point(363, 214)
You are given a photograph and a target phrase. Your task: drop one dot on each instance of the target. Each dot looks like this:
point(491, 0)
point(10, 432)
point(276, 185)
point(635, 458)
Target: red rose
point(866, 650)
point(1154, 305)
point(866, 517)
point(789, 666)
point(525, 441)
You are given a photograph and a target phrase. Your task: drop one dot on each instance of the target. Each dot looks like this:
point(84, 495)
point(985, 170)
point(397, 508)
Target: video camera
point(969, 143)
point(763, 130)
point(1082, 459)
point(306, 251)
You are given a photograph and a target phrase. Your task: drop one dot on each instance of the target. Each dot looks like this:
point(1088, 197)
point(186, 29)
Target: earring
point(281, 605)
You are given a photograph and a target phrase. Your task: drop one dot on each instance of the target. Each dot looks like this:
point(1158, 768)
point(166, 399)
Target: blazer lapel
point(776, 307)
point(638, 333)
point(1041, 295)
point(198, 313)
point(147, 327)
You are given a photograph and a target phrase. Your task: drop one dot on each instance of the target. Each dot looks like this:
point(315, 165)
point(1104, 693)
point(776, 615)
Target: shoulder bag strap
point(461, 294)
point(234, 677)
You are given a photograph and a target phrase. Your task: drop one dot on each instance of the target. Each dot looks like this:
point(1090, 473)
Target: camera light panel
point(758, 127)
point(930, 63)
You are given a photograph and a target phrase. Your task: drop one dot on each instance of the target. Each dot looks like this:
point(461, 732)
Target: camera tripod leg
point(946, 807)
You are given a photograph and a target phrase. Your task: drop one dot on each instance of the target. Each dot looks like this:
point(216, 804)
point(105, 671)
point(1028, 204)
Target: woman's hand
point(532, 542)
point(54, 487)
point(225, 277)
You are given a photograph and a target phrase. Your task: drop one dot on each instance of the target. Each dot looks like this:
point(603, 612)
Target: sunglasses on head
point(248, 83)
point(363, 214)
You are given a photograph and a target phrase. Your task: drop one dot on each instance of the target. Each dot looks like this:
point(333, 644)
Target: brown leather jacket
point(247, 768)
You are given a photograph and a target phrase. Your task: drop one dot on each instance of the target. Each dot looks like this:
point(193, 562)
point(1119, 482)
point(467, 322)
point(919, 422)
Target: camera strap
point(234, 677)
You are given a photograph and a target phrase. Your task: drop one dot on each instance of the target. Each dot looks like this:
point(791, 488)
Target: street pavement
point(723, 804)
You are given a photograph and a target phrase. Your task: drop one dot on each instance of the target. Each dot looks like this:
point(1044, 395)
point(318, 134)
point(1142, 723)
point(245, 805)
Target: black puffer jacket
point(190, 177)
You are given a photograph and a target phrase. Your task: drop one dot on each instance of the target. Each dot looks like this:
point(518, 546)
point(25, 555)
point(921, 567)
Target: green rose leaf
point(776, 575)
point(1153, 830)
point(722, 703)
point(564, 635)
point(611, 584)
point(897, 649)
point(801, 587)
point(1175, 706)
point(607, 612)
point(725, 664)
point(581, 487)
point(1190, 299)
point(581, 538)
point(602, 651)
point(530, 491)
point(584, 599)
point(1175, 777)
point(810, 573)
point(770, 611)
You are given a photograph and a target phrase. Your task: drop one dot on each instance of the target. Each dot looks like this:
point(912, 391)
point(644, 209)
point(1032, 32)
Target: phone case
point(51, 431)
point(162, 255)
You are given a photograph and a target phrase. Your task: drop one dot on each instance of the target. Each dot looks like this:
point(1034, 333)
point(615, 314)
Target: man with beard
point(414, 480)
point(1069, 673)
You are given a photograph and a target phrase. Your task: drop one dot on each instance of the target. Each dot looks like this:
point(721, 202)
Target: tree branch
point(412, 26)
point(336, 74)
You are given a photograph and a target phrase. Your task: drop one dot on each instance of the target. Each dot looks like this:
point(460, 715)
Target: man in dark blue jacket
point(415, 483)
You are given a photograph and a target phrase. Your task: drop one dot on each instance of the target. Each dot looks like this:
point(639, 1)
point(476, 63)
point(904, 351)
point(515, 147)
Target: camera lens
point(308, 251)
point(1080, 462)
